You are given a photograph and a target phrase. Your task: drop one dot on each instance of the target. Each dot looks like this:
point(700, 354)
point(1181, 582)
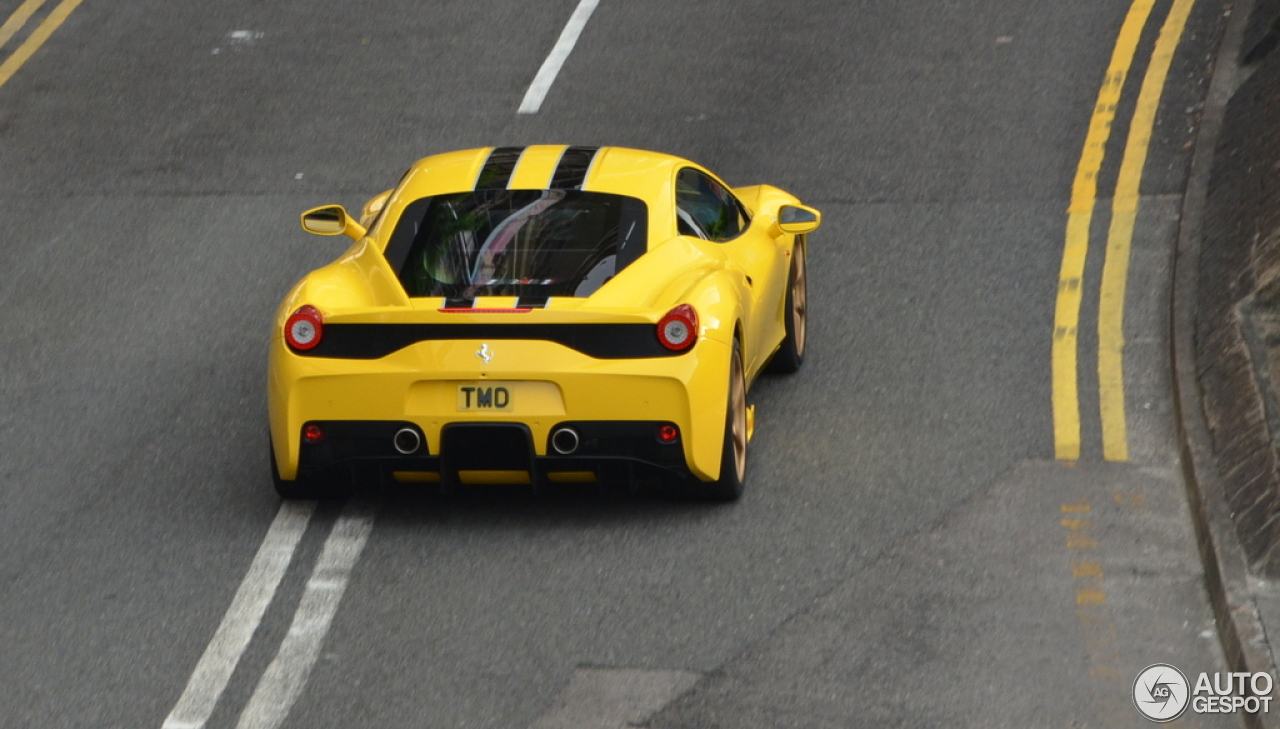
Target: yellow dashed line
point(1097, 628)
point(1090, 597)
point(1124, 212)
point(1086, 569)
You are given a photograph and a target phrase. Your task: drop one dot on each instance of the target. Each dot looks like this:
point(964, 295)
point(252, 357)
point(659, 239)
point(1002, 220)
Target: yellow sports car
point(540, 315)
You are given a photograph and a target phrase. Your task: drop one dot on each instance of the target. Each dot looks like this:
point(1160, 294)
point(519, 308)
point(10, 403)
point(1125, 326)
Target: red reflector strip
point(312, 433)
point(462, 310)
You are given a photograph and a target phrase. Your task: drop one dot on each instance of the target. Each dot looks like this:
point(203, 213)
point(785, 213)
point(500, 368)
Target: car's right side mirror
point(798, 219)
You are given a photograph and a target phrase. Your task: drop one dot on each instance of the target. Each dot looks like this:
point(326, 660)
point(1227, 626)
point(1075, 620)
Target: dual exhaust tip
point(565, 441)
point(407, 441)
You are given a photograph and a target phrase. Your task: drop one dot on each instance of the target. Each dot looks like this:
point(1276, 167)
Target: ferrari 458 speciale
point(541, 315)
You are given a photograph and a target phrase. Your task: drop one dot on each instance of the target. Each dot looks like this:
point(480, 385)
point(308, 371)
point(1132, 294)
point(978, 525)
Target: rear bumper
point(619, 404)
point(491, 453)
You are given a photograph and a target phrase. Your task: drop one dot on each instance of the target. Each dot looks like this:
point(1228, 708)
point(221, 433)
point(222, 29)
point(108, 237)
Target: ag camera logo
point(1161, 692)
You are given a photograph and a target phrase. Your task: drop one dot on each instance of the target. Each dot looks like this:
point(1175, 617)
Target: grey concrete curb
point(1243, 637)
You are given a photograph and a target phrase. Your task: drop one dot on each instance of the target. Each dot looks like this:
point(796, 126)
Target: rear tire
point(733, 455)
point(790, 354)
point(302, 488)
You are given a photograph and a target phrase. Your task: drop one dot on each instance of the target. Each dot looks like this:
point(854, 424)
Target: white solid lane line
point(242, 618)
point(288, 672)
point(551, 67)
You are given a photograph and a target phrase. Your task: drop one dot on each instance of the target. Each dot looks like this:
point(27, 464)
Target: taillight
point(679, 328)
point(668, 433)
point(304, 328)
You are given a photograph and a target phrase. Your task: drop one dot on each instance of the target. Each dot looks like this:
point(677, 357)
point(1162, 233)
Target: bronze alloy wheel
point(790, 353)
point(738, 411)
point(733, 454)
point(799, 299)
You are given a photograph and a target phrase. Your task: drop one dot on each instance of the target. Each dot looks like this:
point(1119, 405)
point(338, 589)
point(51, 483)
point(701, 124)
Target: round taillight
point(668, 433)
point(304, 328)
point(679, 328)
point(312, 433)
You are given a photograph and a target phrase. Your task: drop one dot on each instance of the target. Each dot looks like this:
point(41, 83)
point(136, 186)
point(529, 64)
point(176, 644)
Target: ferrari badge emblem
point(484, 353)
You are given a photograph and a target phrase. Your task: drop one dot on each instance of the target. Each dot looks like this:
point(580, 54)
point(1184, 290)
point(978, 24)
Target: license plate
point(485, 396)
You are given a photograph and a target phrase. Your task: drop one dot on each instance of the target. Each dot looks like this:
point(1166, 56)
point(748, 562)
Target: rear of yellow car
point(501, 322)
point(497, 397)
point(529, 315)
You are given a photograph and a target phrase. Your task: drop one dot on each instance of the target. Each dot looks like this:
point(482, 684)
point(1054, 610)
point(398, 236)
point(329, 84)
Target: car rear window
point(516, 242)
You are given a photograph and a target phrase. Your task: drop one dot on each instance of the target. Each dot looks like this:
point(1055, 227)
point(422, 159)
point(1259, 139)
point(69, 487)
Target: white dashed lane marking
point(287, 675)
point(241, 620)
point(551, 67)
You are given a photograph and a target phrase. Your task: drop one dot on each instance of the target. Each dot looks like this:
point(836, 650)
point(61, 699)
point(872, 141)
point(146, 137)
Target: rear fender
point(708, 400)
point(361, 278)
point(699, 278)
point(720, 313)
point(659, 276)
point(718, 301)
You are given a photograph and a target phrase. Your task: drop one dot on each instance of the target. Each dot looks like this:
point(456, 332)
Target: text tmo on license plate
point(484, 396)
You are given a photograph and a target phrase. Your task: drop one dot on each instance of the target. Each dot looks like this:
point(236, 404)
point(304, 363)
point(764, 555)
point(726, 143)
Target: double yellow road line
point(1124, 211)
point(17, 20)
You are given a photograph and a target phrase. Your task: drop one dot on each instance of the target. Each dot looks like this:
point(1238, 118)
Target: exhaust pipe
point(565, 441)
point(407, 441)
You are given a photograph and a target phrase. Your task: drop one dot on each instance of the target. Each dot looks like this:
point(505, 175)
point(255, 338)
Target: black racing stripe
point(571, 172)
point(532, 302)
point(459, 303)
point(601, 341)
point(497, 170)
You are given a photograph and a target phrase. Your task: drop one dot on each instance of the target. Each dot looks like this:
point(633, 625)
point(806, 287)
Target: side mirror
point(798, 219)
point(332, 220)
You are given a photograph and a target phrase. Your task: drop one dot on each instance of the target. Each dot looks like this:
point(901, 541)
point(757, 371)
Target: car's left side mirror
point(332, 220)
point(798, 219)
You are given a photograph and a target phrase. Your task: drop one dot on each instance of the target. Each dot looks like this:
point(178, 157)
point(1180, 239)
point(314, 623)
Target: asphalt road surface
point(154, 157)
